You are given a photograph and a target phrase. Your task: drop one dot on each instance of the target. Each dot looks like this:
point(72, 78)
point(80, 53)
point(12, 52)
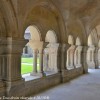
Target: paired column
point(41, 52)
point(77, 57)
point(34, 62)
point(41, 72)
point(40, 47)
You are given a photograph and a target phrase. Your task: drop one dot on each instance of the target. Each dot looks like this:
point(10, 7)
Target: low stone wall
point(2, 89)
point(34, 86)
point(2, 92)
point(31, 87)
point(70, 74)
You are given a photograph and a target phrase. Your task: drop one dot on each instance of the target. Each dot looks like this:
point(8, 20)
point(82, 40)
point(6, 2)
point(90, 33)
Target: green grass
point(29, 60)
point(25, 68)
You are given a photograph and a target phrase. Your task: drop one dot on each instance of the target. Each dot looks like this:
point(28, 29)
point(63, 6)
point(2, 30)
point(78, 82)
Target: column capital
point(79, 48)
point(37, 44)
point(15, 45)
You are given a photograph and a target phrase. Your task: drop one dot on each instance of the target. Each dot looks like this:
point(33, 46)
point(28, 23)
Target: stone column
point(46, 60)
point(41, 52)
point(70, 57)
point(34, 63)
point(41, 72)
point(40, 46)
point(57, 64)
point(14, 81)
point(90, 57)
point(84, 60)
point(64, 56)
point(96, 57)
point(77, 57)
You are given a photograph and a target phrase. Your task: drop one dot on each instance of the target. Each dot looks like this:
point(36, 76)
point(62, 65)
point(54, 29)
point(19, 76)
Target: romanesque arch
point(49, 23)
point(50, 52)
point(77, 54)
point(90, 52)
point(36, 45)
point(70, 53)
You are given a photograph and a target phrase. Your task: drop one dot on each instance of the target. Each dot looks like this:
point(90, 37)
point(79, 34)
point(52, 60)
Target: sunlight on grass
point(27, 65)
point(26, 68)
point(29, 60)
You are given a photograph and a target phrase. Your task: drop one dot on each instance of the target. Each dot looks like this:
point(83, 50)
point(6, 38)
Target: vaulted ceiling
point(75, 17)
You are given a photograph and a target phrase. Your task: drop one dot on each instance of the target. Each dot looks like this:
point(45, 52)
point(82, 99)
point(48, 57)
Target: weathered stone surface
point(54, 26)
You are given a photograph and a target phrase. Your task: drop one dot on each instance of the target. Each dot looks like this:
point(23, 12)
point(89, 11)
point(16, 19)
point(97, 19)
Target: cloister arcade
point(65, 39)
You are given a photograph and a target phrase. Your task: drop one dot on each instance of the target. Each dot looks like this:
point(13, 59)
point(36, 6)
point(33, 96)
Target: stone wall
point(35, 86)
point(67, 75)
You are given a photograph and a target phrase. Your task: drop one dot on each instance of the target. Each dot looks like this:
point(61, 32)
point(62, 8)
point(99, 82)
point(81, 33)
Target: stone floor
point(86, 87)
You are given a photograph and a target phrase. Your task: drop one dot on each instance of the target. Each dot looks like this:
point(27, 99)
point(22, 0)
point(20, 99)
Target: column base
point(41, 74)
point(33, 74)
point(47, 69)
point(15, 88)
point(71, 67)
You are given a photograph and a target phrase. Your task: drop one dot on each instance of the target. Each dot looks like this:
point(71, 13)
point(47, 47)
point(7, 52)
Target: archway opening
point(70, 53)
point(50, 52)
point(30, 60)
point(77, 53)
point(90, 53)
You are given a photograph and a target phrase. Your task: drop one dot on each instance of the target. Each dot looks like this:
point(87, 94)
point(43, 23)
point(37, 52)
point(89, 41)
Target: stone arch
point(90, 40)
point(50, 54)
point(77, 54)
point(3, 30)
point(47, 7)
point(95, 34)
point(90, 52)
point(51, 37)
point(70, 53)
point(10, 19)
point(78, 41)
point(70, 40)
point(33, 34)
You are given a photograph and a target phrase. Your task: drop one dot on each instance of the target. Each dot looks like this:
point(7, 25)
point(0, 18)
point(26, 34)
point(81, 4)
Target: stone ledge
point(35, 86)
point(67, 75)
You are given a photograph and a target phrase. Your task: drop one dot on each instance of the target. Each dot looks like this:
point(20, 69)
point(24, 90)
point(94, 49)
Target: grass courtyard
point(27, 65)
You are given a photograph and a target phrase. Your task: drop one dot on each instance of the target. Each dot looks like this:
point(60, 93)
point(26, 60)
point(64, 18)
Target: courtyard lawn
point(28, 60)
point(27, 65)
point(26, 68)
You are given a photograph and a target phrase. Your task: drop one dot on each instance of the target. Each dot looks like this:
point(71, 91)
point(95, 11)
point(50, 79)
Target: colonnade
point(72, 57)
point(10, 61)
